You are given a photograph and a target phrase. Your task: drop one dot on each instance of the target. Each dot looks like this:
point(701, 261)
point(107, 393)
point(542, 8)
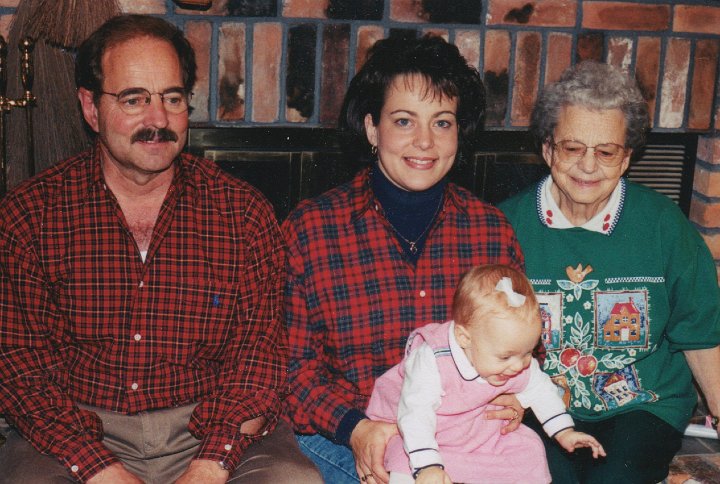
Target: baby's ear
point(462, 336)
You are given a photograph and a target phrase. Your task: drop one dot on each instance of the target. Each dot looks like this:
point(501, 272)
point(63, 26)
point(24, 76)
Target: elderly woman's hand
point(368, 441)
point(513, 412)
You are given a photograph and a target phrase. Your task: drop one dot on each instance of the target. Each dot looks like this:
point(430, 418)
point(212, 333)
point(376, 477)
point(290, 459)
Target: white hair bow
point(514, 299)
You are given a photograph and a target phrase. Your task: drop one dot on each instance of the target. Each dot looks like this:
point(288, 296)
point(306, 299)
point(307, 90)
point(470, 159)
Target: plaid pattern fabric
point(352, 298)
point(85, 320)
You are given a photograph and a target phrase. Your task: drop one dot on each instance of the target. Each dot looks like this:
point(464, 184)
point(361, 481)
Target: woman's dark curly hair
point(595, 86)
point(439, 63)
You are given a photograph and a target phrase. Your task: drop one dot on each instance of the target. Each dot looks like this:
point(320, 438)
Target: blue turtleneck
point(410, 213)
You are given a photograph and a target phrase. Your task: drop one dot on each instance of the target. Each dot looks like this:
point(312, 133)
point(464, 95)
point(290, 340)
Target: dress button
point(228, 446)
point(74, 468)
point(137, 337)
point(134, 386)
point(142, 283)
point(422, 293)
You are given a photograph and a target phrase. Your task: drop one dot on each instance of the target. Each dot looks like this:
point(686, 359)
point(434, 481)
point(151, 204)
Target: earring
point(373, 150)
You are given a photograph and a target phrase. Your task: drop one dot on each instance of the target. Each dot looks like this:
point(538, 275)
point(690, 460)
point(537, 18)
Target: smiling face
point(583, 187)
point(132, 144)
point(498, 348)
point(416, 136)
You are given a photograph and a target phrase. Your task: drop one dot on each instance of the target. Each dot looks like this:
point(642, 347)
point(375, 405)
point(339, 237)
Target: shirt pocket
point(205, 313)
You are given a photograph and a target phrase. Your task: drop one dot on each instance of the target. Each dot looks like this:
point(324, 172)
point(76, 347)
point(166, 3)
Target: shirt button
point(228, 446)
point(134, 386)
point(377, 207)
point(74, 468)
point(142, 283)
point(265, 433)
point(137, 337)
point(422, 293)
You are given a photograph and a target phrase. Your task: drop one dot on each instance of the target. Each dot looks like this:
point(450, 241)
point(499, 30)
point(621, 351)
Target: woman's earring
point(373, 150)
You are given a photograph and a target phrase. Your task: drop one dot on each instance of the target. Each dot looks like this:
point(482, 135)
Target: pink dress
point(472, 448)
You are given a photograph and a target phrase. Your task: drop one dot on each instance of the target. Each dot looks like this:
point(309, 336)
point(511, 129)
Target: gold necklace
point(413, 243)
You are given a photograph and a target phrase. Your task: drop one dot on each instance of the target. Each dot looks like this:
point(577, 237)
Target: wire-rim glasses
point(136, 100)
point(607, 154)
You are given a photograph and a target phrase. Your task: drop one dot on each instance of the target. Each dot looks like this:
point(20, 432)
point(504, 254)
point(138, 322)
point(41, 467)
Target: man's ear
point(462, 336)
point(89, 110)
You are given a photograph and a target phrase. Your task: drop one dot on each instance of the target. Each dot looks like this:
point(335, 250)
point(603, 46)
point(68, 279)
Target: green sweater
point(619, 309)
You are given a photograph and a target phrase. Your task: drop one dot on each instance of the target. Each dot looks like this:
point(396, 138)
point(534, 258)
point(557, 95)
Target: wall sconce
point(26, 102)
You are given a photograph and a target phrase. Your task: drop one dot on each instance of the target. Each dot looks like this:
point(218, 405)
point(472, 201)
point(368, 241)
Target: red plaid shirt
point(85, 320)
point(352, 298)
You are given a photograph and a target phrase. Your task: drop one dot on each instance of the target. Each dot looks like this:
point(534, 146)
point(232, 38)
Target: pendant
point(413, 248)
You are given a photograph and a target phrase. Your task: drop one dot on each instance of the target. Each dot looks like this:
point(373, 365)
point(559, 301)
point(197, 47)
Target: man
point(140, 294)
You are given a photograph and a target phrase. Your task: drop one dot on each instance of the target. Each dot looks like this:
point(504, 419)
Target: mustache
point(150, 134)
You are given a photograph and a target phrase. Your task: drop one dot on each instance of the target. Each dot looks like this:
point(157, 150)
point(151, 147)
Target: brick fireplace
point(286, 63)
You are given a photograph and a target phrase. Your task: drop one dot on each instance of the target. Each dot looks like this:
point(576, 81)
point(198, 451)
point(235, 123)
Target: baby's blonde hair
point(476, 296)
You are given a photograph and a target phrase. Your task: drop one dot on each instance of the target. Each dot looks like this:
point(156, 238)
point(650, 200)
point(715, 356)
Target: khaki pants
point(157, 447)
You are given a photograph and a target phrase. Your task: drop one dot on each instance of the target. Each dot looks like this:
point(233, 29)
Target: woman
point(371, 260)
point(627, 288)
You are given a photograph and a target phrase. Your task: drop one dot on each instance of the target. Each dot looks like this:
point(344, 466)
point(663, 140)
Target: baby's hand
point(433, 475)
point(571, 440)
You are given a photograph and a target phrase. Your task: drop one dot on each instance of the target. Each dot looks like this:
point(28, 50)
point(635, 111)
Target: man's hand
point(368, 441)
point(513, 412)
point(205, 472)
point(114, 474)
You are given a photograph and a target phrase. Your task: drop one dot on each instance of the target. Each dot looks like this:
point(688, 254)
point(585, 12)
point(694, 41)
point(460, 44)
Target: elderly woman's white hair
point(596, 86)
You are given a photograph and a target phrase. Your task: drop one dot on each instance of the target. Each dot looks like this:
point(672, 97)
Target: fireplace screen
point(290, 164)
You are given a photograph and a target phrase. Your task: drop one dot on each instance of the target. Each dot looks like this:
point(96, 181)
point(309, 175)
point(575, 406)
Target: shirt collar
point(604, 222)
point(182, 180)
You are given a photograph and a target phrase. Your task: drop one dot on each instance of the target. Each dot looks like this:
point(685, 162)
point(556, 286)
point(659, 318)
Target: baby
point(439, 393)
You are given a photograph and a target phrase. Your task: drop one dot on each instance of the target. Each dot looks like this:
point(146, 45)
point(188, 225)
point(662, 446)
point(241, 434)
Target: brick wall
point(287, 62)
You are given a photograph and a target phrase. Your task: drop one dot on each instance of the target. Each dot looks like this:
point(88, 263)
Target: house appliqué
point(593, 337)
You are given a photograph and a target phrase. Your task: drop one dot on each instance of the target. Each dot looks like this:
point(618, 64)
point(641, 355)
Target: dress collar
point(604, 222)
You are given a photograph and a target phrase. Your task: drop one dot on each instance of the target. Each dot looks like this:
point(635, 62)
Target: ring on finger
point(366, 476)
point(516, 415)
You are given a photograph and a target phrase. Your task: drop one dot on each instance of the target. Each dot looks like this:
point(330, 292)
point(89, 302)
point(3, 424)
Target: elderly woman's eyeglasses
point(607, 154)
point(136, 100)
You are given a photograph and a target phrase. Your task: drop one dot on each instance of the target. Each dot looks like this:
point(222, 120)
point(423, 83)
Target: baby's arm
point(541, 394)
point(571, 439)
point(419, 399)
point(432, 475)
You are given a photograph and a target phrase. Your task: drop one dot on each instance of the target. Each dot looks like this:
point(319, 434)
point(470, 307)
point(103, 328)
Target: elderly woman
point(371, 260)
point(627, 288)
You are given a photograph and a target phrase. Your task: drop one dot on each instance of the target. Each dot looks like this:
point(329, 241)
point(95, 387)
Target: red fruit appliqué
point(569, 357)
point(586, 365)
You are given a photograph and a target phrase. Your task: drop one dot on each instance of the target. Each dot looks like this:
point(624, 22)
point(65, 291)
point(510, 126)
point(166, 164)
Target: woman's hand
point(368, 441)
point(513, 412)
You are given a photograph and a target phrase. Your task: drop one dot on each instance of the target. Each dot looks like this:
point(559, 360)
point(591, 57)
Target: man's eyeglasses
point(607, 154)
point(136, 100)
